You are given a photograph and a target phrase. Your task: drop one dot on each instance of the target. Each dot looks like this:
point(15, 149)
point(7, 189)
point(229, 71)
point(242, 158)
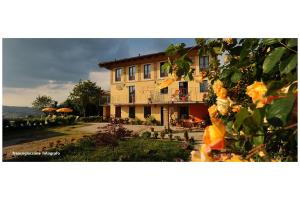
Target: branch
point(288, 47)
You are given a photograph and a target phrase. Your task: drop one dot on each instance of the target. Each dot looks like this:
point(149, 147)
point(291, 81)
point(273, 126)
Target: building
point(135, 91)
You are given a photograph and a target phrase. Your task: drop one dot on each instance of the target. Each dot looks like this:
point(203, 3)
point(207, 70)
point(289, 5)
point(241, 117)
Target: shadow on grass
point(13, 137)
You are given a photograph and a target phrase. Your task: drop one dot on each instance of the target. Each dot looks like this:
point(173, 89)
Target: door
point(183, 112)
point(162, 115)
point(118, 111)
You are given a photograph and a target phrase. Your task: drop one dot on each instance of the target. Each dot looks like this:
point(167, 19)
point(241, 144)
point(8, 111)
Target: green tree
point(42, 102)
point(85, 97)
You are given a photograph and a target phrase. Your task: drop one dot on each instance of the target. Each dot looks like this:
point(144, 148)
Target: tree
point(42, 102)
point(86, 95)
point(252, 97)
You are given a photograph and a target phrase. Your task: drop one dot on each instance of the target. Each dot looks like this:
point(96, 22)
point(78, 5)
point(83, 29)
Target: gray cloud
point(33, 62)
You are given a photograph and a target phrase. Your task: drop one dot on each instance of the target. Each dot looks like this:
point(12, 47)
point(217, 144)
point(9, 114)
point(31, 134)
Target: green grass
point(134, 149)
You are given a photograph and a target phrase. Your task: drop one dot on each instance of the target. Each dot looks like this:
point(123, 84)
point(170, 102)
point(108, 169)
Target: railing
point(155, 97)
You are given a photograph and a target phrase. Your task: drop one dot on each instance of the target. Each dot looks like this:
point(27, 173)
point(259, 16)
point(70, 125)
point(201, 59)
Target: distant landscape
point(19, 112)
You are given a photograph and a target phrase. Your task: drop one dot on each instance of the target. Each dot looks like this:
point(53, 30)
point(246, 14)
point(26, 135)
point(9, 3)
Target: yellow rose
point(257, 92)
point(222, 93)
point(235, 158)
point(236, 108)
point(205, 154)
point(212, 110)
point(228, 40)
point(223, 110)
point(227, 59)
point(214, 135)
point(223, 105)
point(195, 156)
point(217, 86)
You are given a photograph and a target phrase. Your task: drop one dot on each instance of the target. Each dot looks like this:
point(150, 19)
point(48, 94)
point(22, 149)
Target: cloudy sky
point(51, 67)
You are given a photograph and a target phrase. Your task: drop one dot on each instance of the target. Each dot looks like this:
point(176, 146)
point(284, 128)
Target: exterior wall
point(146, 89)
point(149, 88)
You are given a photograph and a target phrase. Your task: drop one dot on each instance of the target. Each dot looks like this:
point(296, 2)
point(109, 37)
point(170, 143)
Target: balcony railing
point(155, 97)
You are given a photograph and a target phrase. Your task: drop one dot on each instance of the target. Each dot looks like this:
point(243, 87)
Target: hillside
point(17, 112)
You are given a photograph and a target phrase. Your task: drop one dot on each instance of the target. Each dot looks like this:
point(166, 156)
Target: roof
point(115, 62)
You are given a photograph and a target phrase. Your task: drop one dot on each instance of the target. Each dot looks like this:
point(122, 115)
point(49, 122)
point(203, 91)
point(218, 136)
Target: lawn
point(132, 149)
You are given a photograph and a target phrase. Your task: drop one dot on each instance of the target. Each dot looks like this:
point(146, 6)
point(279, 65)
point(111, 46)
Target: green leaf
point(292, 42)
point(258, 116)
point(240, 117)
point(278, 112)
point(225, 73)
point(274, 86)
point(246, 49)
point(289, 65)
point(272, 59)
point(269, 41)
point(236, 77)
point(259, 139)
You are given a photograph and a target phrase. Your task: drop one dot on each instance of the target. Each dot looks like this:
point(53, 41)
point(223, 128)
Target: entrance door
point(183, 112)
point(118, 111)
point(162, 115)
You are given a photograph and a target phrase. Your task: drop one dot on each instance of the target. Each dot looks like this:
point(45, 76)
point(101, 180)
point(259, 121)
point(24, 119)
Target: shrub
point(151, 121)
point(155, 134)
point(136, 121)
point(170, 136)
point(91, 119)
point(162, 134)
point(178, 138)
point(186, 136)
point(146, 134)
point(192, 140)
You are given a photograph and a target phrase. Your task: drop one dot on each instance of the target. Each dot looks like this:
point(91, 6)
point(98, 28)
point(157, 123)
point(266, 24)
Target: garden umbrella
point(166, 83)
point(48, 109)
point(64, 110)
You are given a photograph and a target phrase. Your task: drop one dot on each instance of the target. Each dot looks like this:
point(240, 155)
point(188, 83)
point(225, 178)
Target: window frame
point(164, 90)
point(162, 73)
point(131, 99)
point(130, 114)
point(148, 71)
point(131, 77)
point(201, 66)
point(116, 74)
point(205, 86)
point(149, 113)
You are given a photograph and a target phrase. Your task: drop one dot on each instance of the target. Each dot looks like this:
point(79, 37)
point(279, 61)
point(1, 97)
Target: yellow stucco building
point(135, 91)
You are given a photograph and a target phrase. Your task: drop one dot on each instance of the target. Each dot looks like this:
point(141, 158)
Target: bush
point(178, 138)
point(155, 134)
point(186, 136)
point(91, 119)
point(170, 136)
point(151, 121)
point(136, 121)
point(146, 134)
point(162, 134)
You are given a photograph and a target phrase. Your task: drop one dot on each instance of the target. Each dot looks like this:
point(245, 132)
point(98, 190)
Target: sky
point(37, 66)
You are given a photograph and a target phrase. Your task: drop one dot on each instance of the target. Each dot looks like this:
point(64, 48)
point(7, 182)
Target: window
point(203, 86)
point(164, 90)
point(147, 111)
point(118, 111)
point(147, 71)
point(163, 72)
point(131, 94)
point(118, 74)
point(204, 62)
point(132, 73)
point(131, 112)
